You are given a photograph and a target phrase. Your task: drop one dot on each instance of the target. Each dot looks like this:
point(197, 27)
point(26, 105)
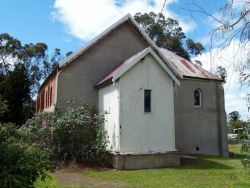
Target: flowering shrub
point(74, 134)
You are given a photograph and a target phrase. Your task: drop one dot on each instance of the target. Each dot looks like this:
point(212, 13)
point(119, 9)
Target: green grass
point(235, 149)
point(50, 182)
point(206, 171)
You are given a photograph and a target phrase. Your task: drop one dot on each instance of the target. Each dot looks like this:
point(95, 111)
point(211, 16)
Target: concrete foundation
point(143, 161)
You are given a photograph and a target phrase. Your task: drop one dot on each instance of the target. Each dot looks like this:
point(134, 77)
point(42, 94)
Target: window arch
point(50, 99)
point(197, 97)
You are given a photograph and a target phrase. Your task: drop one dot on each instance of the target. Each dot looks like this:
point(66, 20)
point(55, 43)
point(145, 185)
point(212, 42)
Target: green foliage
point(234, 116)
point(9, 49)
point(14, 89)
point(221, 71)
point(22, 68)
point(245, 149)
point(34, 57)
point(194, 47)
point(242, 135)
point(3, 106)
point(74, 134)
point(238, 124)
point(20, 163)
point(198, 63)
point(167, 33)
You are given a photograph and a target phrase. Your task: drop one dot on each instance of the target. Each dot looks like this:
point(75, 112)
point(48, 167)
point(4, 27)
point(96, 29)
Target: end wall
point(77, 80)
point(146, 132)
point(200, 130)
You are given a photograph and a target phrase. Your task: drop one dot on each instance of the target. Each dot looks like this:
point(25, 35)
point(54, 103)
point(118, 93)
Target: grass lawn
point(205, 171)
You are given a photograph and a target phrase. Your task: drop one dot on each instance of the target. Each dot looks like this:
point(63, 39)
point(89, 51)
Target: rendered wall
point(77, 80)
point(200, 130)
point(150, 132)
point(109, 106)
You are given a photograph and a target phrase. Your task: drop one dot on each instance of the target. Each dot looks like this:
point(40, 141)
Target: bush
point(74, 134)
point(20, 163)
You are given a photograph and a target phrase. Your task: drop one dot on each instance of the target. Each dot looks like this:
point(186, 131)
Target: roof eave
point(51, 75)
point(199, 78)
point(94, 41)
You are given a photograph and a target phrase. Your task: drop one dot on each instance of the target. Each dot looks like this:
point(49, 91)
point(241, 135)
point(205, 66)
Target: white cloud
point(86, 19)
point(230, 58)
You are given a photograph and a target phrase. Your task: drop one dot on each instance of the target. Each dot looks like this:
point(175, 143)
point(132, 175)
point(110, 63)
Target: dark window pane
point(197, 98)
point(147, 100)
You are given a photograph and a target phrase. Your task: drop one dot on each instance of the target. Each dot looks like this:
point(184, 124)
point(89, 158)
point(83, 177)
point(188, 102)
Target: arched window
point(50, 99)
point(197, 97)
point(46, 99)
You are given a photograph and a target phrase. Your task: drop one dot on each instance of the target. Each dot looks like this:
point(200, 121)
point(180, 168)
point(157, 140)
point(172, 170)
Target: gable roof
point(162, 53)
point(129, 18)
point(186, 68)
point(129, 63)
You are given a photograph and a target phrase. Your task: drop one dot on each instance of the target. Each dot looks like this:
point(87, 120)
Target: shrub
point(74, 134)
point(242, 137)
point(20, 163)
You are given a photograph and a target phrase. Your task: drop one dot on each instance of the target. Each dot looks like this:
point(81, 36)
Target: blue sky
point(31, 21)
point(69, 24)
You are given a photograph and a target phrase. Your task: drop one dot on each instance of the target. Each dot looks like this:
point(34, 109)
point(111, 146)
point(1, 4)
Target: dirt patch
point(76, 177)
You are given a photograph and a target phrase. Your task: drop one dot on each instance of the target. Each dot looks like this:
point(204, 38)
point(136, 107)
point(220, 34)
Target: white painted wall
point(146, 132)
point(109, 106)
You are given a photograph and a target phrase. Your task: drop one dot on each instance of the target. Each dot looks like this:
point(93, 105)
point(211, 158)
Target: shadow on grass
point(203, 163)
point(233, 155)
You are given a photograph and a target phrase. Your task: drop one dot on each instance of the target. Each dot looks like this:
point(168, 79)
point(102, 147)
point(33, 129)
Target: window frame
point(200, 98)
point(147, 104)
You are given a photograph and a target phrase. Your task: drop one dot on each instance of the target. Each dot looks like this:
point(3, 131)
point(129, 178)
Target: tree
point(34, 57)
point(221, 71)
point(166, 33)
point(22, 68)
point(194, 48)
point(234, 116)
point(49, 66)
point(9, 50)
point(232, 21)
point(198, 63)
point(68, 54)
point(3, 106)
point(15, 90)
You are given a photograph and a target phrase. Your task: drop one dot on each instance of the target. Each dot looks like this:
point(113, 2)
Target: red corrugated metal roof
point(181, 65)
point(121, 67)
point(185, 67)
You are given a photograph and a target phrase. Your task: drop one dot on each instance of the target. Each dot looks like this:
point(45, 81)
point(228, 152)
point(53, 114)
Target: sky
point(70, 24)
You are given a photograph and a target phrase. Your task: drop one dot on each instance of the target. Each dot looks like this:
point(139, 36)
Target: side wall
point(146, 132)
point(77, 80)
point(46, 98)
point(200, 130)
point(109, 107)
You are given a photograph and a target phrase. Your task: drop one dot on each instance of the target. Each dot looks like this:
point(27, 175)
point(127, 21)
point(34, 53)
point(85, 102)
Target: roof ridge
point(117, 72)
